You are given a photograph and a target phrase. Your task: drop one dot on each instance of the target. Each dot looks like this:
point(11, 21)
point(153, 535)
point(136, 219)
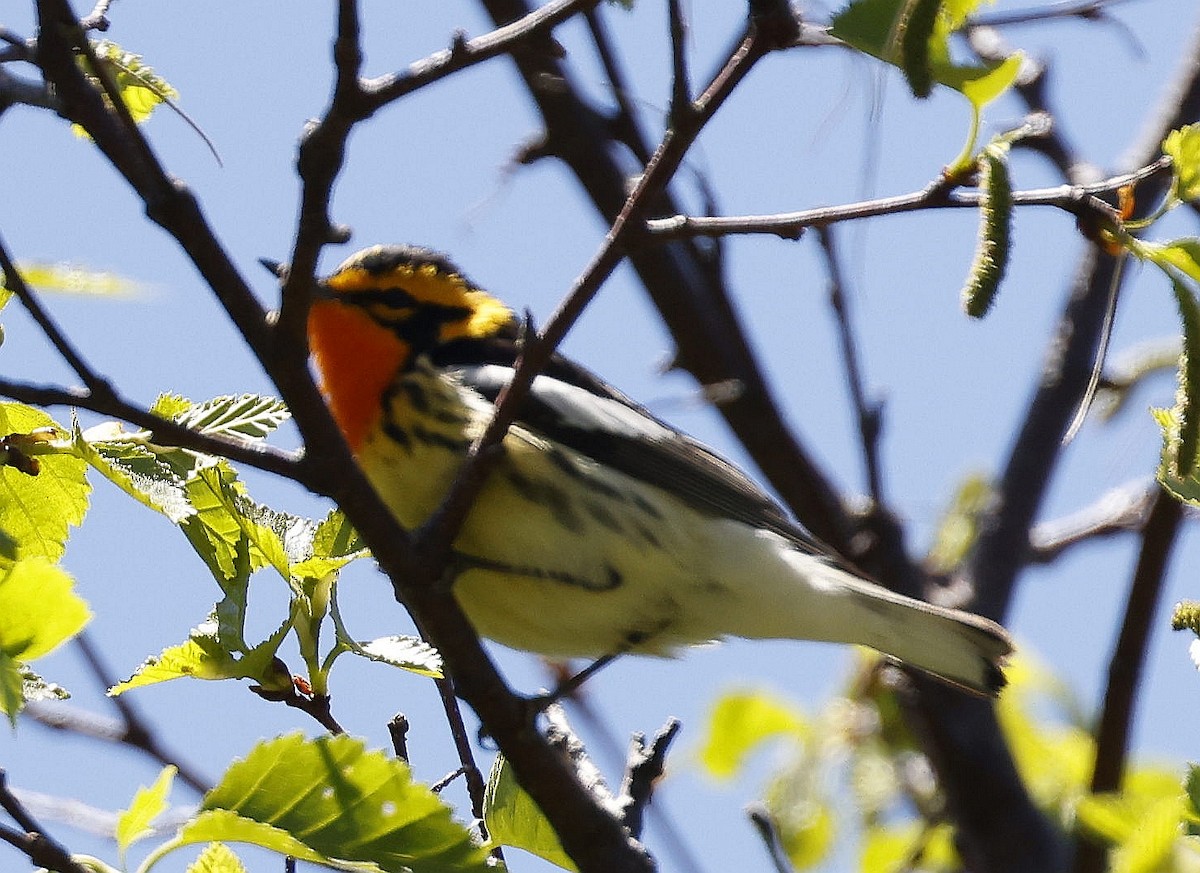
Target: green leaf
point(330, 801)
point(1185, 488)
point(1183, 146)
point(39, 609)
point(37, 510)
point(408, 653)
point(741, 722)
point(995, 223)
point(248, 416)
point(171, 406)
point(8, 548)
point(1151, 845)
point(1183, 254)
point(148, 804)
point(209, 653)
point(140, 87)
point(335, 538)
point(12, 688)
point(215, 530)
point(136, 469)
point(883, 29)
point(886, 850)
point(513, 819)
point(217, 858)
point(982, 85)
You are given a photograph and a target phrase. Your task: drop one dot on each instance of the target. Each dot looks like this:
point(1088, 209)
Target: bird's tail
point(960, 648)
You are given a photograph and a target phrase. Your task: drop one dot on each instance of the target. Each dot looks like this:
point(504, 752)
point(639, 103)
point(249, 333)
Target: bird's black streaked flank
point(601, 529)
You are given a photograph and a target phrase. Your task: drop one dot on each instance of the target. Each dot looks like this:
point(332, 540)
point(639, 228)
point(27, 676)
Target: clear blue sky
point(808, 128)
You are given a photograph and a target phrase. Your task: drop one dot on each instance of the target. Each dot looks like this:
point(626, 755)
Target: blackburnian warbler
point(601, 529)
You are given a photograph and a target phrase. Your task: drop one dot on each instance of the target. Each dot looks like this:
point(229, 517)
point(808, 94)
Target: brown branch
point(15, 282)
point(689, 291)
point(973, 763)
point(136, 731)
point(1122, 510)
point(1128, 660)
point(42, 849)
point(163, 431)
point(476, 784)
point(643, 769)
point(1082, 201)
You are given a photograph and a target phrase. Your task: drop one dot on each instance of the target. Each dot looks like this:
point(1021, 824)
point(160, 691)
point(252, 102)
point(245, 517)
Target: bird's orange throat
point(357, 361)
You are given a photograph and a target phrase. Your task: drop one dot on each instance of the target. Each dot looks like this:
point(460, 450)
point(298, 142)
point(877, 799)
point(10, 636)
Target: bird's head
point(378, 311)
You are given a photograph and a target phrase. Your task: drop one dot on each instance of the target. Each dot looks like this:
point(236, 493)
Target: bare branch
point(42, 850)
point(643, 769)
point(1122, 510)
point(15, 282)
point(1128, 660)
point(1079, 200)
point(466, 53)
point(1091, 10)
point(686, 283)
point(681, 85)
point(869, 415)
point(164, 431)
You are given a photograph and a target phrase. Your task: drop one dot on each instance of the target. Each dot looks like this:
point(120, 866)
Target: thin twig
point(1122, 510)
point(163, 431)
point(466, 53)
point(15, 282)
point(136, 731)
point(398, 730)
point(439, 532)
point(625, 126)
point(476, 784)
point(768, 831)
point(1079, 200)
point(643, 769)
point(42, 850)
point(681, 87)
point(868, 414)
point(1091, 10)
point(97, 19)
point(688, 287)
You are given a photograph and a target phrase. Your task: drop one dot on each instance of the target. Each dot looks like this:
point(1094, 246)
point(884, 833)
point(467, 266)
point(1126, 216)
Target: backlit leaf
point(330, 801)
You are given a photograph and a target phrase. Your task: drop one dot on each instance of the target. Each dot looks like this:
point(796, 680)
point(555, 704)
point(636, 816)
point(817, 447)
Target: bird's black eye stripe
point(417, 322)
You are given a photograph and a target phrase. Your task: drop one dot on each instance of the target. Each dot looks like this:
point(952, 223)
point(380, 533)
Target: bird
point(600, 530)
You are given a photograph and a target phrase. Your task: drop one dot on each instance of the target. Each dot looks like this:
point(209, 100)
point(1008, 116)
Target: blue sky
point(808, 128)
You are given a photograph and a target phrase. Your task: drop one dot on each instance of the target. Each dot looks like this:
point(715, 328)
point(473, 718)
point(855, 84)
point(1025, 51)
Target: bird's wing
point(573, 408)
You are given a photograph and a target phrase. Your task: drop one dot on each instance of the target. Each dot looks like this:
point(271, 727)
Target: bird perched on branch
point(600, 529)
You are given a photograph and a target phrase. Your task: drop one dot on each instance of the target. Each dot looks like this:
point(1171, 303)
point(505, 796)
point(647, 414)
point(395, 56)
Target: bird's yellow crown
point(385, 305)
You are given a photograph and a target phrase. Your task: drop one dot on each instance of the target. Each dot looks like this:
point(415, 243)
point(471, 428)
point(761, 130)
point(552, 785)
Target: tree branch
point(1082, 201)
point(1120, 511)
point(42, 850)
point(163, 431)
point(868, 415)
point(686, 285)
point(1128, 660)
